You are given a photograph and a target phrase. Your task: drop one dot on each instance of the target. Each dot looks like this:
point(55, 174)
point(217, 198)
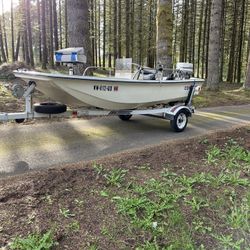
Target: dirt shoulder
point(185, 195)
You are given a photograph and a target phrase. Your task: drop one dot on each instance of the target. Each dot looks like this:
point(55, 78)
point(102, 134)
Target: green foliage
point(115, 177)
point(228, 242)
point(197, 203)
point(98, 169)
point(34, 242)
point(213, 154)
point(74, 226)
point(239, 216)
point(66, 213)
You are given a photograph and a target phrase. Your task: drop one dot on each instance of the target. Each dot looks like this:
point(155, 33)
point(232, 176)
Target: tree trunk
point(200, 38)
point(214, 46)
point(164, 33)
point(66, 21)
point(4, 33)
point(39, 29)
point(140, 33)
point(119, 29)
point(78, 26)
point(241, 42)
point(25, 39)
point(128, 14)
point(12, 33)
point(99, 34)
point(60, 24)
point(17, 46)
point(44, 36)
point(4, 59)
point(56, 43)
point(247, 83)
point(51, 43)
point(104, 35)
point(230, 74)
point(115, 30)
point(29, 33)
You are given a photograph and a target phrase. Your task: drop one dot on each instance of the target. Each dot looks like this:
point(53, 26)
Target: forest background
point(31, 30)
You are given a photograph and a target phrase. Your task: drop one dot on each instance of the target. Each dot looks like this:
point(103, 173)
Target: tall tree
point(78, 26)
point(29, 32)
point(55, 24)
point(4, 33)
point(4, 59)
point(12, 33)
point(247, 83)
point(44, 35)
point(214, 46)
point(104, 34)
point(39, 29)
point(164, 33)
point(51, 31)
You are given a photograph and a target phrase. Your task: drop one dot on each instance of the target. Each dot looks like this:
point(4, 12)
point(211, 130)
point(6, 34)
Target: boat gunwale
point(107, 79)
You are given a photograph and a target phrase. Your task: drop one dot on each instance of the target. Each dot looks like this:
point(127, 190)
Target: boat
point(110, 93)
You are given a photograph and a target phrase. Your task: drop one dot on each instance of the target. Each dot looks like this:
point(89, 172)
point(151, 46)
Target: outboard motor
point(71, 57)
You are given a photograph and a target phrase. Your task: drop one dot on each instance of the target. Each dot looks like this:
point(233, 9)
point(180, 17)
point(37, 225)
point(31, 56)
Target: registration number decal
point(105, 88)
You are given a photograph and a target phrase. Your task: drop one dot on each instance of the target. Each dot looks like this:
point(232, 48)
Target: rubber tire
point(19, 121)
point(125, 117)
point(174, 122)
point(50, 108)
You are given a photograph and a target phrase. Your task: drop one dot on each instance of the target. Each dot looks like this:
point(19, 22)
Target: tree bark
point(214, 46)
point(78, 26)
point(247, 83)
point(104, 35)
point(164, 33)
point(241, 41)
point(4, 33)
point(51, 28)
point(56, 40)
point(12, 33)
point(128, 14)
point(39, 29)
point(29, 33)
point(44, 36)
point(200, 38)
point(4, 59)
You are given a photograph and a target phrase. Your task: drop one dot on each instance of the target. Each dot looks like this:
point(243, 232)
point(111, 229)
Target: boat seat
point(149, 77)
point(149, 74)
point(149, 71)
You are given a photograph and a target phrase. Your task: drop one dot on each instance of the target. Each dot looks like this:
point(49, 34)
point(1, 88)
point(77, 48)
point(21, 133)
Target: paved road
point(25, 147)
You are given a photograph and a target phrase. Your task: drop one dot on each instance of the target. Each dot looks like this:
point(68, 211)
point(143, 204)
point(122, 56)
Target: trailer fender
point(174, 110)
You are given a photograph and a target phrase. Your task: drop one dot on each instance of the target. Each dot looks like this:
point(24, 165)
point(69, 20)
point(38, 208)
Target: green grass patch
point(34, 241)
point(171, 211)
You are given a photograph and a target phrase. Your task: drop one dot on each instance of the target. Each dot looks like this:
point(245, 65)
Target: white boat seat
point(149, 77)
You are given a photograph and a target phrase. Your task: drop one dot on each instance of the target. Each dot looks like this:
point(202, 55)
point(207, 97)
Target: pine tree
point(214, 46)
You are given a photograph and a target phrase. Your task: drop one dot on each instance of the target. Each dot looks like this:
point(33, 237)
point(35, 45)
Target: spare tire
point(50, 108)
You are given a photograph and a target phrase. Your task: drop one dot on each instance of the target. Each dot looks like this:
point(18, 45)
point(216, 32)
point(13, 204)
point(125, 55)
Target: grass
point(34, 241)
point(229, 94)
point(158, 208)
point(198, 205)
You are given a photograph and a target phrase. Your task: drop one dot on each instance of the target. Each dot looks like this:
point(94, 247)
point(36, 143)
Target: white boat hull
point(109, 93)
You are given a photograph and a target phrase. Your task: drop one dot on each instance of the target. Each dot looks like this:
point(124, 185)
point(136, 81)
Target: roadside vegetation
point(152, 199)
point(227, 95)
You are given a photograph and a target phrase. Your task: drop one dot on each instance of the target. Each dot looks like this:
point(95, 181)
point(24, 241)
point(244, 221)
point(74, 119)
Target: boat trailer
point(177, 113)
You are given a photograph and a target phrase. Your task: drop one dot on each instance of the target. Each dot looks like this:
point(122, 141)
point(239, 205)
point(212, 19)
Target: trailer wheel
point(180, 121)
point(50, 108)
point(125, 117)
